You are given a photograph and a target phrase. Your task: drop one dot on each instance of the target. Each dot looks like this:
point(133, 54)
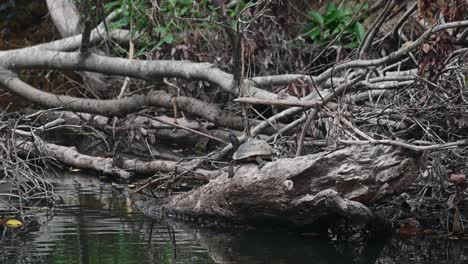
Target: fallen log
point(303, 191)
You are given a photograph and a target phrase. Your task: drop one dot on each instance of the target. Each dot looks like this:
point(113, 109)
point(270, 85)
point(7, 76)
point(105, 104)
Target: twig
point(403, 20)
point(327, 98)
point(392, 57)
point(366, 42)
point(253, 100)
point(462, 38)
point(402, 144)
point(86, 17)
point(355, 129)
point(286, 113)
point(184, 128)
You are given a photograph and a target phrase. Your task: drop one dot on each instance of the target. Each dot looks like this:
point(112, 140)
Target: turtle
point(253, 150)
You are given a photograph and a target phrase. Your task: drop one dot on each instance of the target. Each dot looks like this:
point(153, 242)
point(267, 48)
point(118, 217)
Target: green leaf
point(331, 8)
point(335, 22)
point(109, 6)
point(345, 21)
point(184, 10)
point(359, 31)
point(186, 2)
point(123, 22)
point(159, 30)
point(336, 31)
point(249, 5)
point(331, 17)
point(316, 17)
point(343, 13)
point(169, 38)
point(140, 52)
point(352, 45)
point(314, 34)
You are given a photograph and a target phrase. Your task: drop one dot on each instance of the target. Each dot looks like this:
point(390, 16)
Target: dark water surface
point(98, 225)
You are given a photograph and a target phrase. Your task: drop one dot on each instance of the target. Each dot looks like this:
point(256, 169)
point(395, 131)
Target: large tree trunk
point(300, 191)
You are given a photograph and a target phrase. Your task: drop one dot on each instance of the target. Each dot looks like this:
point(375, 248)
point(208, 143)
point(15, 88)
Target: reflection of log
point(276, 248)
point(229, 246)
point(304, 190)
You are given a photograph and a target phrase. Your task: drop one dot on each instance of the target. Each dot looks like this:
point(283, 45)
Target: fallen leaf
point(457, 178)
point(13, 223)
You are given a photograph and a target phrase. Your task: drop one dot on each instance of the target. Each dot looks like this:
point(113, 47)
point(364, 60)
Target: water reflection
point(98, 225)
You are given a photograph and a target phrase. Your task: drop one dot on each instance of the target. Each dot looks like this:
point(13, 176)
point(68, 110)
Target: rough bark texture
point(304, 190)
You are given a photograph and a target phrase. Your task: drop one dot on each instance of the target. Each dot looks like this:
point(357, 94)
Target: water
point(98, 225)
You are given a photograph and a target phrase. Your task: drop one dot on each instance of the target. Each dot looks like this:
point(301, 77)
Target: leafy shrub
point(324, 28)
point(169, 17)
point(163, 21)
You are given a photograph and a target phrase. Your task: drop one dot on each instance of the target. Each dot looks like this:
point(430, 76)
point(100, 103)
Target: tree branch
point(119, 107)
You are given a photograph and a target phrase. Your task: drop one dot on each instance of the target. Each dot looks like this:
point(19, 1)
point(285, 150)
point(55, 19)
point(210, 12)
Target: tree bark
point(67, 21)
point(301, 191)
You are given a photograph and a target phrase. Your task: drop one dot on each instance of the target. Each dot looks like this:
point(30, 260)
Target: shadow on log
point(303, 191)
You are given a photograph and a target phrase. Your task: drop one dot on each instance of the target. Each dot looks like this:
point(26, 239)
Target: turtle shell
point(252, 148)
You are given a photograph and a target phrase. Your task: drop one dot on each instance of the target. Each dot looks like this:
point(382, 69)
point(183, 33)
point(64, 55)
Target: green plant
point(162, 21)
point(337, 21)
point(241, 5)
point(131, 14)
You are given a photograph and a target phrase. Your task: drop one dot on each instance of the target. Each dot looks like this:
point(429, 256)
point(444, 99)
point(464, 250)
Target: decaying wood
point(304, 190)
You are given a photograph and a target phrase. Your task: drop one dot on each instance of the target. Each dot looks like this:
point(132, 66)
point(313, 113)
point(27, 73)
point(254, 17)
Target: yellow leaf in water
point(13, 223)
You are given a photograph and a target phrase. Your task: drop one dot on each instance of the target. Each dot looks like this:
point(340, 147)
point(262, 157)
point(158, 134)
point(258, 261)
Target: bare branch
point(402, 144)
point(118, 107)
